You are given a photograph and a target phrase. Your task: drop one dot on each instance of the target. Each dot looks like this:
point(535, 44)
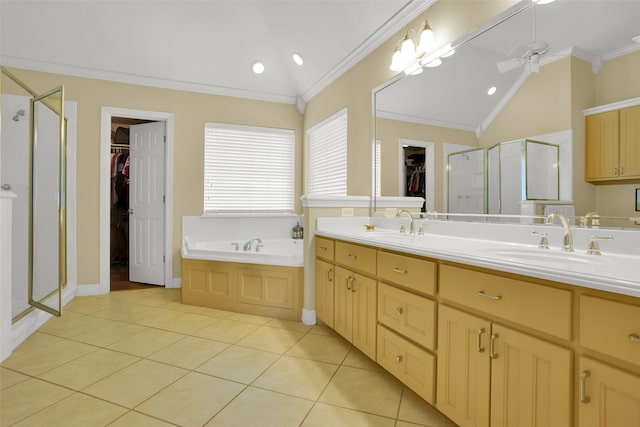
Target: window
point(248, 169)
point(327, 156)
point(375, 168)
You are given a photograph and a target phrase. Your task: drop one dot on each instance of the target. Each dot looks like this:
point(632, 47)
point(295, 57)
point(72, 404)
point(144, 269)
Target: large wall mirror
point(450, 106)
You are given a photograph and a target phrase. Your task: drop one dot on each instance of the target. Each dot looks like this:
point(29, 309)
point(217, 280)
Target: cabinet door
point(530, 381)
point(601, 154)
point(463, 368)
point(364, 293)
point(630, 142)
point(343, 303)
point(324, 292)
point(608, 397)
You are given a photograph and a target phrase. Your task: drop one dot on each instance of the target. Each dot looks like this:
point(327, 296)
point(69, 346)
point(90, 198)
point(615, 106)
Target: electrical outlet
point(347, 211)
point(390, 212)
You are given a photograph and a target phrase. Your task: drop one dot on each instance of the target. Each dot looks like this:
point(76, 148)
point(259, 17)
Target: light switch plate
point(347, 211)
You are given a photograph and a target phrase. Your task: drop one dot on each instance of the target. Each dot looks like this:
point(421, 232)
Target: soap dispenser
point(298, 232)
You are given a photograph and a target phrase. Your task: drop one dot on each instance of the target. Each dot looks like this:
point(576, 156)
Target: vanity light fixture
point(407, 52)
point(297, 59)
point(257, 67)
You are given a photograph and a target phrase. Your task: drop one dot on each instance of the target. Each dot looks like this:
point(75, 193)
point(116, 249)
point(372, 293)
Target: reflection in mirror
point(529, 59)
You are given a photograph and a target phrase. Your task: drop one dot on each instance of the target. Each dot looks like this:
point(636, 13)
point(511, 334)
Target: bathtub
point(283, 252)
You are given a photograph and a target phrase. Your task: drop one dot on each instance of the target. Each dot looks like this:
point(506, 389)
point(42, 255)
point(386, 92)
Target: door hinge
point(164, 199)
point(163, 258)
point(165, 138)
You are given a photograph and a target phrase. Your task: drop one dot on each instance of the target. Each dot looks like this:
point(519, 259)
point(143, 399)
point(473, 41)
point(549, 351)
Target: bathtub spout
point(247, 246)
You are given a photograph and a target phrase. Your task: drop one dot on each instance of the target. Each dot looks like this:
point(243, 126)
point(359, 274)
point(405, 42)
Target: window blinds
point(248, 169)
point(327, 156)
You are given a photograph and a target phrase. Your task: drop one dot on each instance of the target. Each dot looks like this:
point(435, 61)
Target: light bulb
point(408, 48)
point(427, 38)
point(397, 63)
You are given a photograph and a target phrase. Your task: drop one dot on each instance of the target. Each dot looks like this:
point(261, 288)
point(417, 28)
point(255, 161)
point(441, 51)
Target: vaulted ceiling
point(206, 46)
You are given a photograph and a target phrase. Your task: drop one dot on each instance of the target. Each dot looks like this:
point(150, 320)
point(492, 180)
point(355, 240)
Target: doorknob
point(6, 187)
point(130, 211)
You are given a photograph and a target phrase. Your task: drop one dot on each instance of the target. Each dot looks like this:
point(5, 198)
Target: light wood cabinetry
point(612, 150)
point(355, 310)
point(325, 284)
point(263, 290)
point(487, 348)
point(609, 397)
point(489, 374)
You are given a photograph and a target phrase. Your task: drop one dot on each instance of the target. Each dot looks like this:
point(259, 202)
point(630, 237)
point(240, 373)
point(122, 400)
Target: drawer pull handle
point(352, 256)
point(492, 348)
point(491, 297)
point(634, 338)
point(330, 275)
point(323, 248)
point(480, 348)
point(397, 270)
point(349, 280)
point(399, 311)
point(398, 359)
point(583, 386)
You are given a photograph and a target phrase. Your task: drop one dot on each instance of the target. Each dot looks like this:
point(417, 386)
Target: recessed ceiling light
point(257, 67)
point(636, 39)
point(297, 59)
point(542, 1)
point(491, 90)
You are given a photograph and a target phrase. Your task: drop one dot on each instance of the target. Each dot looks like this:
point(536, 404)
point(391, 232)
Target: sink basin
point(543, 256)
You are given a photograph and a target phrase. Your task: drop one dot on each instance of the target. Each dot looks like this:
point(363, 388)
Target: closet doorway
point(417, 177)
point(134, 197)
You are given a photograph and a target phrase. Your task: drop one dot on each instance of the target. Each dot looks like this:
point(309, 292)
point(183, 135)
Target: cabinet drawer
point(406, 361)
point(414, 273)
point(356, 257)
point(610, 327)
point(540, 307)
point(411, 315)
point(324, 248)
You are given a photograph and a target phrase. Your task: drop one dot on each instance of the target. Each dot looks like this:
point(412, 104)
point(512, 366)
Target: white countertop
point(510, 248)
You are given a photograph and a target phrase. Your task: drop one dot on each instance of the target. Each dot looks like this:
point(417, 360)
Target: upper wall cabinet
point(613, 145)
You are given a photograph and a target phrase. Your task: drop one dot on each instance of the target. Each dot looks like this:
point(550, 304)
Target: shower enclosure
point(34, 155)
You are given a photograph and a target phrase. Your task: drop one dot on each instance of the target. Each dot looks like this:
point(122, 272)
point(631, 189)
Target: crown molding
point(423, 121)
point(94, 73)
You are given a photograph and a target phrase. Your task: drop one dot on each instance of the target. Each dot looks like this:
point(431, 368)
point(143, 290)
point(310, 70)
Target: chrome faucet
point(566, 230)
point(412, 229)
point(247, 246)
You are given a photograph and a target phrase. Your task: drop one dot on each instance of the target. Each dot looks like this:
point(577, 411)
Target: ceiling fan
point(527, 55)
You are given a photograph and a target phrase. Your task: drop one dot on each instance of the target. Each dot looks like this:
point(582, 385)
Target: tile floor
point(141, 358)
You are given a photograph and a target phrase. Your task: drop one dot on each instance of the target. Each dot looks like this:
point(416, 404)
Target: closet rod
point(120, 145)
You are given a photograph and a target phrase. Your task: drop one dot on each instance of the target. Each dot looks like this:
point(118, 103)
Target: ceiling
point(203, 46)
point(454, 95)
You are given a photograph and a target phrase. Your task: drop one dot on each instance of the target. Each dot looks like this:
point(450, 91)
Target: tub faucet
point(412, 229)
point(566, 230)
point(247, 246)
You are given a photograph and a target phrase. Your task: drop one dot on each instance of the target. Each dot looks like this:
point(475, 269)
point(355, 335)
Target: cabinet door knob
point(583, 386)
point(634, 338)
point(479, 347)
point(399, 311)
point(492, 348)
point(398, 358)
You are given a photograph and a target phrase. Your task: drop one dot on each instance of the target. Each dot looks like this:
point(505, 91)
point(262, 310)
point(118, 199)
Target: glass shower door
point(47, 230)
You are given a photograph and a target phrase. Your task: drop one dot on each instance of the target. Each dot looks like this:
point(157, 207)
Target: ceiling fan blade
point(509, 64)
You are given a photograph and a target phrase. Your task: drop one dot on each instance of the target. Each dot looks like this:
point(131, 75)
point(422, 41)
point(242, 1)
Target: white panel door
point(146, 203)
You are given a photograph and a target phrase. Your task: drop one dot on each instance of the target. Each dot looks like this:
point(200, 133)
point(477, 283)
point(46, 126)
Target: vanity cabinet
point(608, 395)
point(355, 296)
point(325, 285)
point(612, 150)
point(492, 374)
point(355, 310)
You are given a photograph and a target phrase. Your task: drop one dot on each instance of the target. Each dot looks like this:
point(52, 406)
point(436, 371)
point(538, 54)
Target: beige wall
point(191, 111)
